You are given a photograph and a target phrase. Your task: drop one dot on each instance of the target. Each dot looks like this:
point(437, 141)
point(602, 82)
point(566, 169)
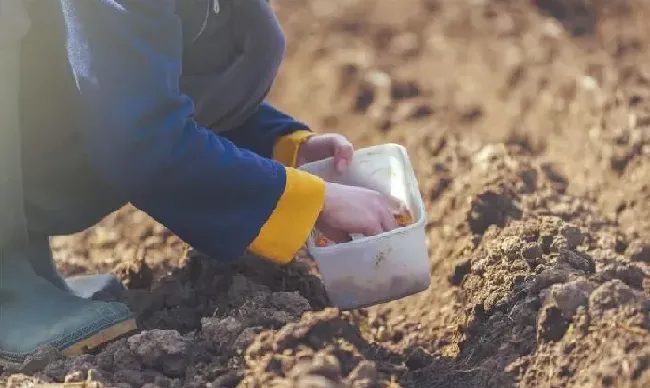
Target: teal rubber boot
point(36, 314)
point(84, 286)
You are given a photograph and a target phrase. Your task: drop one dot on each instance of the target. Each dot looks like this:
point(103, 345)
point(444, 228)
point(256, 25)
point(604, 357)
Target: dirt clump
point(324, 349)
point(191, 335)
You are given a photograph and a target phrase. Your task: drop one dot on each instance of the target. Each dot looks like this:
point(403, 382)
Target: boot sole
point(101, 338)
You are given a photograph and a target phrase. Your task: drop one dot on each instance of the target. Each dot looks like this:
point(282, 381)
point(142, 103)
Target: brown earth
point(528, 123)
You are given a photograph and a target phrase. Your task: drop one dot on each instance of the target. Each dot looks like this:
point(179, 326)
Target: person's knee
point(55, 212)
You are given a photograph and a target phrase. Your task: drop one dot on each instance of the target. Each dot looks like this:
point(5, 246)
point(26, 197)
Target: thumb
point(341, 163)
point(343, 157)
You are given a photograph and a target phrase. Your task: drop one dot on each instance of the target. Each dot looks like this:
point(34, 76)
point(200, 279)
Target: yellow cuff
point(288, 228)
point(286, 148)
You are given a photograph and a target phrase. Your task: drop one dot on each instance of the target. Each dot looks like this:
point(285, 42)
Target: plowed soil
point(528, 123)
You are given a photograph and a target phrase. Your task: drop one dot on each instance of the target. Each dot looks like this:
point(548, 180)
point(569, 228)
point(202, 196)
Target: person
point(158, 103)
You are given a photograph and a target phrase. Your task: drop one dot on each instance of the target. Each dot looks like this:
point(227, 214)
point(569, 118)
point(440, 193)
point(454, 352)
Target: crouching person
point(160, 104)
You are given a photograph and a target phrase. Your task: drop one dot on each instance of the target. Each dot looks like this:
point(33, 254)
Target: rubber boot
point(84, 286)
point(35, 314)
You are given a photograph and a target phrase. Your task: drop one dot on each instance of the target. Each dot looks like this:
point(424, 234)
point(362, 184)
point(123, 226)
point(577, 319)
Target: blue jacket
point(221, 194)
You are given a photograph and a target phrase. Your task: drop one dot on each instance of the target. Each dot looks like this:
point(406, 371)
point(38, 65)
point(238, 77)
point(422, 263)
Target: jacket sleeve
point(272, 134)
point(142, 139)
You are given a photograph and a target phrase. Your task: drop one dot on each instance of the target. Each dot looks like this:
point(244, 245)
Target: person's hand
point(355, 210)
point(323, 146)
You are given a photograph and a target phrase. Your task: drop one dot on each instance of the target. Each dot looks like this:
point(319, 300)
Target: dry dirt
point(528, 123)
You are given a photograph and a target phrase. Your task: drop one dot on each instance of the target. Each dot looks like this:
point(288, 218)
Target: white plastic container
point(376, 269)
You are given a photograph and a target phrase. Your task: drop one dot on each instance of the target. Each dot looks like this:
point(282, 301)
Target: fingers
point(384, 222)
point(373, 228)
point(394, 204)
point(327, 145)
point(382, 219)
point(343, 153)
point(335, 235)
point(387, 220)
